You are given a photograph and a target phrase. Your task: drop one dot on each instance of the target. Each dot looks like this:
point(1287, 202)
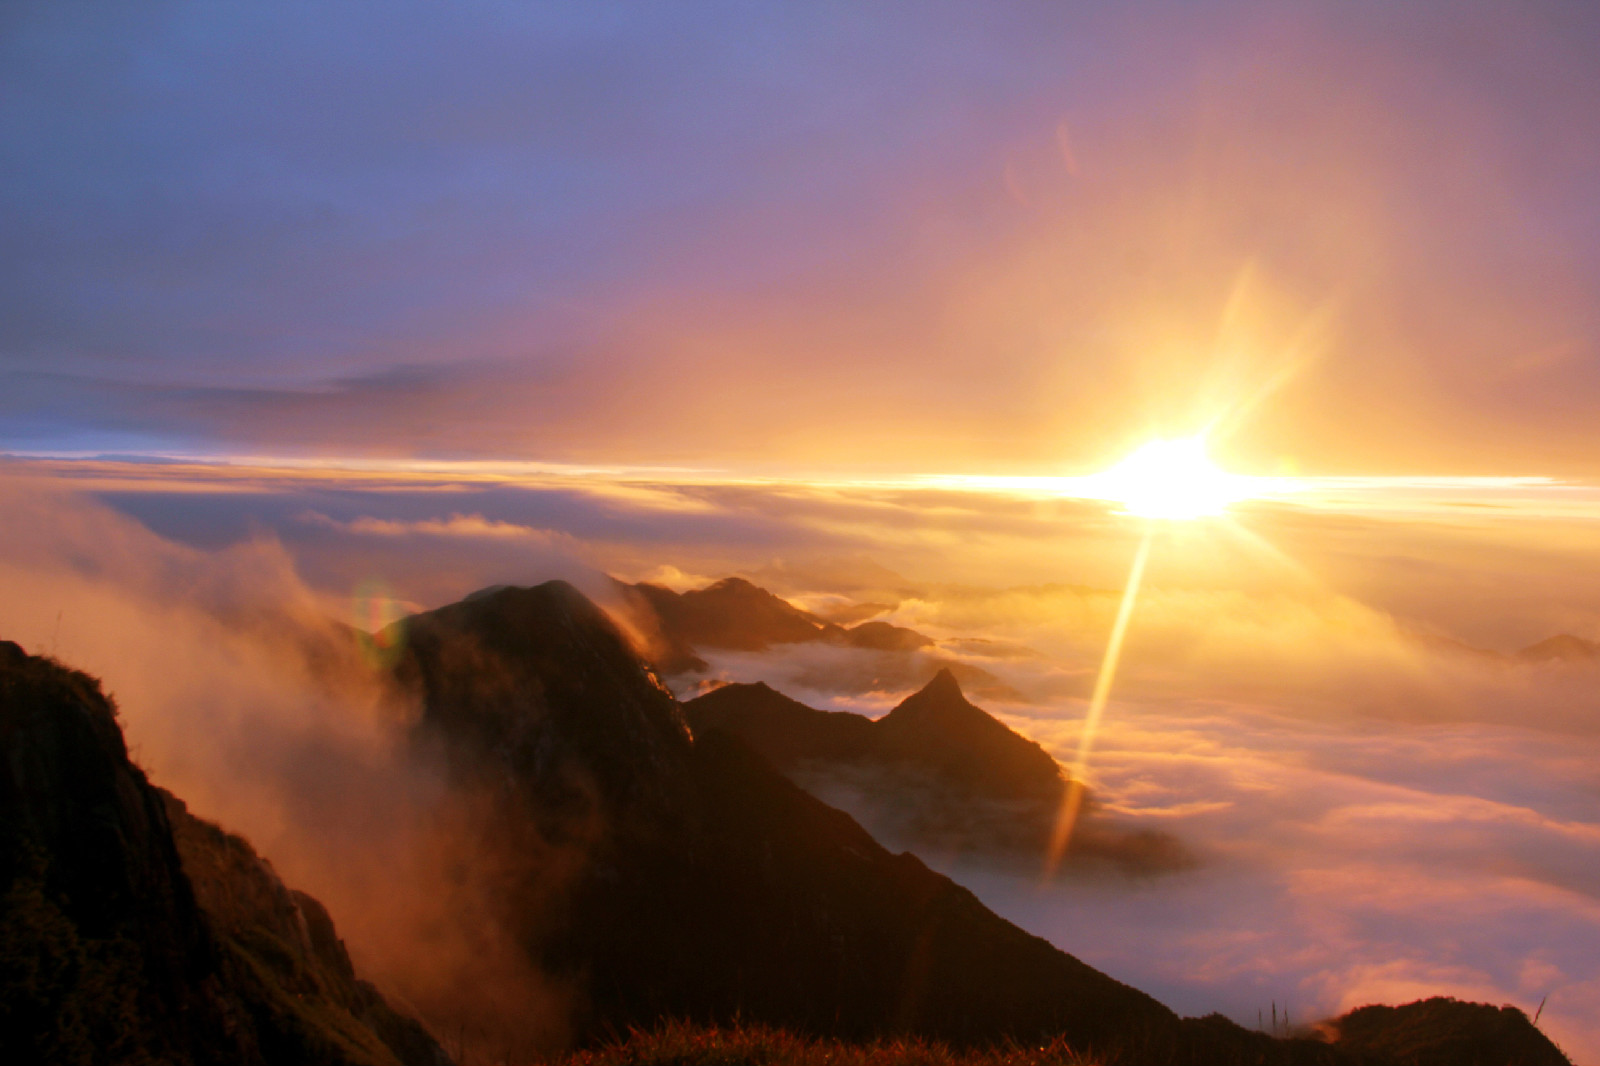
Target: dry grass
point(683, 1044)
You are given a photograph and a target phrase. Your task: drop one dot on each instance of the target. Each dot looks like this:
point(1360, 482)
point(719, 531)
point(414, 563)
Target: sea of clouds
point(1379, 815)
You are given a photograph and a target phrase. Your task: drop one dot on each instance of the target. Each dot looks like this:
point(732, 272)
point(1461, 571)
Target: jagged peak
point(941, 693)
point(940, 707)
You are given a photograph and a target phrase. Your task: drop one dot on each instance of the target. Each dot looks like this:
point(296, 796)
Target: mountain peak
point(732, 613)
point(937, 727)
point(508, 678)
point(513, 602)
point(941, 697)
point(944, 686)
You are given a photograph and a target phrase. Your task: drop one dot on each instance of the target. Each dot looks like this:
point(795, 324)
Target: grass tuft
point(677, 1043)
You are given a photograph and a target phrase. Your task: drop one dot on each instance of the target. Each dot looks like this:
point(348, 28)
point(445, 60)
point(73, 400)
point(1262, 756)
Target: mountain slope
point(535, 686)
point(937, 729)
point(740, 616)
point(281, 946)
point(734, 614)
point(107, 951)
point(935, 732)
point(936, 774)
point(837, 934)
point(786, 731)
point(724, 893)
point(713, 887)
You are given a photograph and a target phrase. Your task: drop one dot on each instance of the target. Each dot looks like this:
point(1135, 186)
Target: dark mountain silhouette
point(786, 731)
point(1563, 647)
point(883, 636)
point(740, 616)
point(736, 615)
point(936, 773)
point(122, 940)
point(938, 729)
point(536, 687)
point(281, 947)
point(1445, 1032)
point(935, 731)
point(733, 614)
point(849, 614)
point(713, 887)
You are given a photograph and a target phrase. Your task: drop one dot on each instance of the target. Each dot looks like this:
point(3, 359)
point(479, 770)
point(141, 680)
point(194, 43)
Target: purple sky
point(911, 236)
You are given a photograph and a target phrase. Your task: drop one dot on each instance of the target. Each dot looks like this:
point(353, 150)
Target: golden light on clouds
point(1172, 480)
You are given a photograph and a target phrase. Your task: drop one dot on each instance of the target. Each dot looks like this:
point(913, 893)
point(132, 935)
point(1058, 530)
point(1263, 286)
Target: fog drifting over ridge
point(1378, 816)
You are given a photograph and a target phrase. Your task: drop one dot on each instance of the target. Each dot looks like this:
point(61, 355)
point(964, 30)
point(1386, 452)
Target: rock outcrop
point(123, 941)
point(1445, 1032)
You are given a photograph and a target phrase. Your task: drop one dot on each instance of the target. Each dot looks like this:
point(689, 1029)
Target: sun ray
point(1072, 802)
point(1256, 542)
point(1308, 345)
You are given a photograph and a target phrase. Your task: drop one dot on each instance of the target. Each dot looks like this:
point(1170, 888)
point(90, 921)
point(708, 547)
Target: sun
point(1172, 479)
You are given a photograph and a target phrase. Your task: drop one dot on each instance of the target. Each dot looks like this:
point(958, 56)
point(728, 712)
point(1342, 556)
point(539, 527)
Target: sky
point(308, 313)
point(976, 238)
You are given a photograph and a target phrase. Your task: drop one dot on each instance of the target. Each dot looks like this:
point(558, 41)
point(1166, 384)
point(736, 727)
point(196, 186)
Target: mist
point(239, 691)
point(1373, 813)
point(1372, 818)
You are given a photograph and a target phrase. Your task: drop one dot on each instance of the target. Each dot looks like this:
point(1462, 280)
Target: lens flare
point(1072, 801)
point(376, 610)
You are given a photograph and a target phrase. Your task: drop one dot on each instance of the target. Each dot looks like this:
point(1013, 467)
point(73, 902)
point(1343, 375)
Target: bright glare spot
point(1172, 479)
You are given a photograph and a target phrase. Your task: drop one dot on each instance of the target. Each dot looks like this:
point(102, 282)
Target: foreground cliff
point(123, 941)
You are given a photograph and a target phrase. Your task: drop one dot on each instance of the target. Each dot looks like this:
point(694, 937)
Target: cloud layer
point(1378, 813)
